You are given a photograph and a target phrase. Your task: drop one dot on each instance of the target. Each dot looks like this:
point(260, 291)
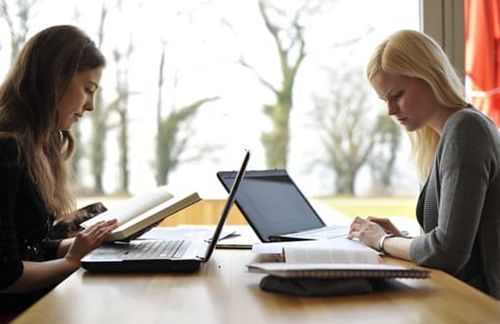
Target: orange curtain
point(482, 54)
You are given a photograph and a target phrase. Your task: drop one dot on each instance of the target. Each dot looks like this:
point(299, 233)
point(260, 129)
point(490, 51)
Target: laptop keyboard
point(158, 249)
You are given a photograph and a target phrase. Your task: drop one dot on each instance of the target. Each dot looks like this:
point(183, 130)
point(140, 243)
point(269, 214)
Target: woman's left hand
point(89, 239)
point(366, 231)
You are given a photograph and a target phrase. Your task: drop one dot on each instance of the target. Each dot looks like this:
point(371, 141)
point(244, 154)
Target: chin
point(65, 127)
point(412, 128)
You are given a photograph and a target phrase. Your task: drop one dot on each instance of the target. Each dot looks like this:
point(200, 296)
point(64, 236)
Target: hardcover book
point(142, 211)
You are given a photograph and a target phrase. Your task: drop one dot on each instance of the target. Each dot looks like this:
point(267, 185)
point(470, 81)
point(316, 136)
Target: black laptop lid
point(235, 185)
point(272, 203)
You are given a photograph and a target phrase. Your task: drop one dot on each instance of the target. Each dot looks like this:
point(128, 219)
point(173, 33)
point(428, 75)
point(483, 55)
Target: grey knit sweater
point(459, 206)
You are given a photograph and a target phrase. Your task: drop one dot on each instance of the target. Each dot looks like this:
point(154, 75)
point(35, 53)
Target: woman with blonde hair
point(457, 153)
point(50, 86)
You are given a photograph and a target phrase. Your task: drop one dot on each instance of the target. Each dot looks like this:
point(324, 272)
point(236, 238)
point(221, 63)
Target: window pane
point(224, 78)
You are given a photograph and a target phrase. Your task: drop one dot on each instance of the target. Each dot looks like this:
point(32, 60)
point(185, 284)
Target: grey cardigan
point(459, 206)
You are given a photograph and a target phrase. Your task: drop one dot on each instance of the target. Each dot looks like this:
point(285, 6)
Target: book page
point(160, 211)
point(329, 255)
point(132, 207)
point(339, 250)
point(341, 243)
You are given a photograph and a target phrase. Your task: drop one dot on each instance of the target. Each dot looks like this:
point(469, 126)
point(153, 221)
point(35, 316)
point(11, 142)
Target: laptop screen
point(272, 203)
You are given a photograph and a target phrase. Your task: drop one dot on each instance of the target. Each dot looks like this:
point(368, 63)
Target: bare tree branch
point(261, 79)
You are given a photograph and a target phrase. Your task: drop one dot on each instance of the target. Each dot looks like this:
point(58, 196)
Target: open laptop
point(276, 209)
point(179, 254)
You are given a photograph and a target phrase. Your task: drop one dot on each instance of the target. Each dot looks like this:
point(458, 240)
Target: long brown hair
point(28, 107)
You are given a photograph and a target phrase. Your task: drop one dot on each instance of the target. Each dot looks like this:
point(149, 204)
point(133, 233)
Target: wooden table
point(223, 292)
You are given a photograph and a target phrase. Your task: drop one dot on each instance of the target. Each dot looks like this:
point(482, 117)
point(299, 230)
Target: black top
point(25, 226)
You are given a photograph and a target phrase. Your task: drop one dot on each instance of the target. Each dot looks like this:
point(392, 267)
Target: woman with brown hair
point(50, 86)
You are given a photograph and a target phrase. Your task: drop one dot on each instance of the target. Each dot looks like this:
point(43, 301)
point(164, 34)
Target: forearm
point(398, 247)
point(39, 275)
point(64, 247)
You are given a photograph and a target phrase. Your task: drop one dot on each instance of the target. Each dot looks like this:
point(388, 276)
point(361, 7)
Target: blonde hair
point(414, 54)
point(28, 108)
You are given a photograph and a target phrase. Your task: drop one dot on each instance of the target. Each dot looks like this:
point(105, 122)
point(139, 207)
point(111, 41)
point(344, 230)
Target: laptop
point(184, 253)
point(276, 209)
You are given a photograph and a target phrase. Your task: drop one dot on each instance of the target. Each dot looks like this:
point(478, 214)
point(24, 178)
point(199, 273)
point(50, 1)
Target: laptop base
point(137, 266)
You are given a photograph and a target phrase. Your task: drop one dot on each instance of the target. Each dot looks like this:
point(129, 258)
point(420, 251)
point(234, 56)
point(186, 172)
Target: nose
point(392, 108)
point(89, 105)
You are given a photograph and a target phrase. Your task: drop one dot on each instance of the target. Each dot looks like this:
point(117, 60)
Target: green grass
point(383, 206)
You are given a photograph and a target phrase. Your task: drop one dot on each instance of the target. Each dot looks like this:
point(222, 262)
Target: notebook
point(276, 209)
point(337, 270)
point(184, 253)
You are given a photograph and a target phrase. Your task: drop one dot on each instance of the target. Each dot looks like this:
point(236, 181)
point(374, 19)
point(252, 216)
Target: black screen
point(272, 203)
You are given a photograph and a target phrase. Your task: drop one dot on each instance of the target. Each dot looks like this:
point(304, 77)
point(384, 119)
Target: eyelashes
point(397, 95)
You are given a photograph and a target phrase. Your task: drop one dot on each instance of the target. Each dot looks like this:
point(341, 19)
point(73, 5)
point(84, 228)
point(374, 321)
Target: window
point(221, 69)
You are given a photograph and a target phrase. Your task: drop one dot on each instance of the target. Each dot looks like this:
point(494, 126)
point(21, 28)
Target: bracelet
point(382, 241)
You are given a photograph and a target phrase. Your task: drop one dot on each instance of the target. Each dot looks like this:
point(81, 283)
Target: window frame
point(444, 21)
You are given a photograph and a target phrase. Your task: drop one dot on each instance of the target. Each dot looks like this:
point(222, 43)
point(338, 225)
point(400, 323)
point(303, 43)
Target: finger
point(100, 236)
point(111, 222)
point(99, 240)
point(92, 228)
point(102, 224)
point(353, 234)
point(104, 231)
point(354, 226)
point(381, 221)
point(94, 237)
point(357, 220)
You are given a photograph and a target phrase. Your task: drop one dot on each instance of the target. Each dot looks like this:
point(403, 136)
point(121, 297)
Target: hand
point(387, 225)
point(69, 228)
point(141, 232)
point(367, 231)
point(89, 239)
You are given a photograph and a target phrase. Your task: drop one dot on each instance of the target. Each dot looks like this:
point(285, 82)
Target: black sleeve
point(11, 266)
point(50, 247)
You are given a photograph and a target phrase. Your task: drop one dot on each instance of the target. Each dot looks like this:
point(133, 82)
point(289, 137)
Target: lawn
point(373, 206)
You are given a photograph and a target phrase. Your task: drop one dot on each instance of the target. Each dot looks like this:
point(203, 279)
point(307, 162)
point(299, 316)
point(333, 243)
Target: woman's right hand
point(89, 239)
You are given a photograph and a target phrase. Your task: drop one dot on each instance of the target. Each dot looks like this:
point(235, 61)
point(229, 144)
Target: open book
point(337, 258)
point(144, 210)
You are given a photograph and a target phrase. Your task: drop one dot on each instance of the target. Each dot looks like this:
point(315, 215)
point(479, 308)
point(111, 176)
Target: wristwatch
point(382, 241)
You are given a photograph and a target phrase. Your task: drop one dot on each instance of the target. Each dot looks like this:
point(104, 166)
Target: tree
point(100, 117)
point(349, 130)
point(17, 23)
point(80, 152)
point(121, 108)
point(382, 163)
point(98, 120)
point(287, 29)
point(170, 142)
point(290, 45)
